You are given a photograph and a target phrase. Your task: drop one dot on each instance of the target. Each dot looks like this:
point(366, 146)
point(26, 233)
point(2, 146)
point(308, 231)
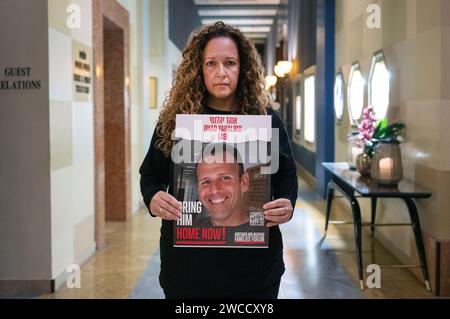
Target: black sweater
point(218, 272)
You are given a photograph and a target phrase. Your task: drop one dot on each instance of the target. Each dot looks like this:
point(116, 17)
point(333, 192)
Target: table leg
point(356, 211)
point(330, 196)
point(418, 237)
point(373, 201)
point(358, 239)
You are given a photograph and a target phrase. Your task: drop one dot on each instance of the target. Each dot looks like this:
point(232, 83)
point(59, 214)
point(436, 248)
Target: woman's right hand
point(165, 206)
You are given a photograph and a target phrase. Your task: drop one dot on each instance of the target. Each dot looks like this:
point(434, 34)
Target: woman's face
point(221, 71)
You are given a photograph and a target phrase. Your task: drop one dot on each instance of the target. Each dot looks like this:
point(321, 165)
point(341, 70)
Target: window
point(297, 105)
point(339, 96)
point(355, 94)
point(298, 113)
point(379, 85)
point(310, 109)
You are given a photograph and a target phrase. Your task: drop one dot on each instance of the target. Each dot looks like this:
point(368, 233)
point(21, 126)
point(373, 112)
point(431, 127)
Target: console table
point(351, 184)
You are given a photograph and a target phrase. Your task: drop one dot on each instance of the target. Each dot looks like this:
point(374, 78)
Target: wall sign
point(82, 72)
point(19, 78)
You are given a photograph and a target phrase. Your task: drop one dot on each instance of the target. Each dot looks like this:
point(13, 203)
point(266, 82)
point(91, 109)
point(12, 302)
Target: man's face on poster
point(221, 190)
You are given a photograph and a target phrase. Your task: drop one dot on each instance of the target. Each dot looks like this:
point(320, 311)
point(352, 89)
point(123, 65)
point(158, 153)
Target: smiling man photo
point(222, 183)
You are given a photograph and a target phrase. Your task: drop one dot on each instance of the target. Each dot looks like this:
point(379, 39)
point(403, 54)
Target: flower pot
point(387, 163)
point(364, 164)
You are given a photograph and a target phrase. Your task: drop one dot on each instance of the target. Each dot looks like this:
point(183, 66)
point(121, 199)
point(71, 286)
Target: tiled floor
point(315, 268)
point(114, 271)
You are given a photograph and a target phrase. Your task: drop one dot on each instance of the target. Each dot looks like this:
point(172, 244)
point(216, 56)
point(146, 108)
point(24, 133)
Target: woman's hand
point(165, 206)
point(278, 211)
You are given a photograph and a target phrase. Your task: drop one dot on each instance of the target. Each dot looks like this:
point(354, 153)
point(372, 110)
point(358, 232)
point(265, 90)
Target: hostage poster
point(222, 178)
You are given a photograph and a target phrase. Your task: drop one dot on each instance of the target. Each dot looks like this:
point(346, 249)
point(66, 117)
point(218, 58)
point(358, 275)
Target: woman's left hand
point(278, 211)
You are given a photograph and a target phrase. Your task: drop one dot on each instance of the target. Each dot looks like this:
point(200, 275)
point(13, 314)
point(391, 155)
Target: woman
point(220, 73)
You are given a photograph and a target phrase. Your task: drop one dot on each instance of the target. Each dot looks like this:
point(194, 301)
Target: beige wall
point(73, 218)
point(25, 242)
point(71, 140)
point(415, 39)
point(152, 55)
point(163, 57)
point(54, 225)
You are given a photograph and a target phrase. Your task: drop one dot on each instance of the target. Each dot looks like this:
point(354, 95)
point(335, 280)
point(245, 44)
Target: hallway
point(360, 86)
point(129, 265)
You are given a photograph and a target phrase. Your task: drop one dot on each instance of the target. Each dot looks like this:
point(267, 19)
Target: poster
point(221, 177)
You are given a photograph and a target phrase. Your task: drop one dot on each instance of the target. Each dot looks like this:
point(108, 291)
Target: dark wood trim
point(438, 269)
point(28, 286)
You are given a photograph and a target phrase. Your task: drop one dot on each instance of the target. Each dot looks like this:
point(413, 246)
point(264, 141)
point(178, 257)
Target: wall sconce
point(286, 66)
point(282, 68)
point(152, 92)
point(98, 71)
point(271, 80)
point(278, 71)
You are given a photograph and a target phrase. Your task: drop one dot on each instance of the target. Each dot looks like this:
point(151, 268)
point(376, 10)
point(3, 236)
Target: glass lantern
point(387, 163)
point(354, 148)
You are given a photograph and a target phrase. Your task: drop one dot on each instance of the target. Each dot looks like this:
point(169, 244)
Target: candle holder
point(354, 149)
point(387, 163)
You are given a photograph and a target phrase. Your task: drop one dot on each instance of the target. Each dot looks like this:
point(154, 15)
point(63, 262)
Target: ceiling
point(253, 17)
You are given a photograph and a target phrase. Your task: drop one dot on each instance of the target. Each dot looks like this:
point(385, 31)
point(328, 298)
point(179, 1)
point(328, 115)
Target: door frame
point(116, 13)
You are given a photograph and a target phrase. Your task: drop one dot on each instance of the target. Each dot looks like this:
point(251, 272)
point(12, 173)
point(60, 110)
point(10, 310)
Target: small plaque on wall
point(82, 72)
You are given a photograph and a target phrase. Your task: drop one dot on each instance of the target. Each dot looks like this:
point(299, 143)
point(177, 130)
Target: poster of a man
point(220, 177)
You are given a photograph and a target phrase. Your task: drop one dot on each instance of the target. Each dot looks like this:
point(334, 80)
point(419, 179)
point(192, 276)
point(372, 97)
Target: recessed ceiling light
point(237, 12)
point(236, 2)
point(256, 35)
point(240, 21)
point(255, 29)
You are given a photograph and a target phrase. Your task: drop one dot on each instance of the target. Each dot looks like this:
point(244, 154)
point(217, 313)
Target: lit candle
point(386, 165)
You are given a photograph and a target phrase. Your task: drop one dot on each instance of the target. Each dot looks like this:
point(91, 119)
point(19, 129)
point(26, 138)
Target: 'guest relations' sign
point(19, 78)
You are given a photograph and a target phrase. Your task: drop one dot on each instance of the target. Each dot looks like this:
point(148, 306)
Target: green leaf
point(380, 129)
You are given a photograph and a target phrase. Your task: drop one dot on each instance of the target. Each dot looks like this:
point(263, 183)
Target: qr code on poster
point(256, 219)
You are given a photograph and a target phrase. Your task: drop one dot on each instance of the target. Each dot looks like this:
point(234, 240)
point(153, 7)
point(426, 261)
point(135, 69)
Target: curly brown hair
point(188, 94)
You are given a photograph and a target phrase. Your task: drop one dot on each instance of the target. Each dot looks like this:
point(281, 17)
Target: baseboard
point(42, 286)
point(38, 286)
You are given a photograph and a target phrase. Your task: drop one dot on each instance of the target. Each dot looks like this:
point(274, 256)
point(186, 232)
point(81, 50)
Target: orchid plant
point(372, 132)
point(367, 125)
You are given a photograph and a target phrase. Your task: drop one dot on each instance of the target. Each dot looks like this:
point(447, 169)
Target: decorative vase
point(387, 163)
point(364, 164)
point(354, 148)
